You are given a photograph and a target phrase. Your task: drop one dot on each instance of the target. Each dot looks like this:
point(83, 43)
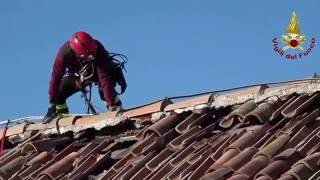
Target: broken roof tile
point(88, 166)
point(44, 145)
point(149, 144)
point(187, 123)
point(277, 112)
point(299, 105)
point(182, 141)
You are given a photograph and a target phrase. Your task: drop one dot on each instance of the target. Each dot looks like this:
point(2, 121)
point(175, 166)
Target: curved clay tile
point(277, 113)
point(45, 145)
point(163, 125)
point(59, 168)
point(262, 113)
point(147, 109)
point(205, 99)
point(240, 159)
point(253, 166)
point(280, 164)
point(188, 123)
point(238, 114)
point(300, 104)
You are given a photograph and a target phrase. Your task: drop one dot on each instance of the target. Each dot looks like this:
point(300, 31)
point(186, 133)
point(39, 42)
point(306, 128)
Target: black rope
point(88, 101)
point(120, 63)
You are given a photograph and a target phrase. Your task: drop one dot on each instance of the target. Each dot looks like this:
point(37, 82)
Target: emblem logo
point(293, 41)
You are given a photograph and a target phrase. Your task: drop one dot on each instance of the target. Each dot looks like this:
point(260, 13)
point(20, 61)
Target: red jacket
point(67, 61)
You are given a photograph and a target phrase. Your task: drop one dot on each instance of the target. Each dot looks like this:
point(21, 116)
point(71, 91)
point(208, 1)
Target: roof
point(260, 132)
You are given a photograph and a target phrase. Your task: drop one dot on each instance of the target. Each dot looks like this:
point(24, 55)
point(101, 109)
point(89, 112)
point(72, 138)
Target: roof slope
point(254, 133)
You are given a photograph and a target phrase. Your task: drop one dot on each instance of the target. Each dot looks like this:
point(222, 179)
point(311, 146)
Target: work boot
point(54, 111)
point(62, 109)
point(117, 105)
point(51, 114)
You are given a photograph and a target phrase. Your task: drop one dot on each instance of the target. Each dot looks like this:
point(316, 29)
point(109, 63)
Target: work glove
point(51, 114)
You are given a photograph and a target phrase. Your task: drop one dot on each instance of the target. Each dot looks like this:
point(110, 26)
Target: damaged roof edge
point(158, 109)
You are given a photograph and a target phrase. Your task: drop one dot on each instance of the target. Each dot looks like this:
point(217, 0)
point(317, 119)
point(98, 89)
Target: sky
point(174, 47)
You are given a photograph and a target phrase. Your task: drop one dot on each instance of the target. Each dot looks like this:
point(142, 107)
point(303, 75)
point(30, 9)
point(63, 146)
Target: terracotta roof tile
point(277, 112)
point(281, 163)
point(149, 144)
point(188, 123)
point(240, 159)
point(299, 105)
point(304, 168)
point(221, 174)
point(35, 127)
point(238, 114)
point(12, 167)
point(16, 130)
point(177, 160)
point(287, 87)
point(68, 121)
point(163, 125)
point(253, 166)
point(88, 166)
point(147, 109)
point(262, 113)
point(247, 91)
point(271, 149)
point(83, 121)
point(34, 164)
point(184, 139)
point(261, 136)
point(60, 168)
point(190, 102)
point(44, 145)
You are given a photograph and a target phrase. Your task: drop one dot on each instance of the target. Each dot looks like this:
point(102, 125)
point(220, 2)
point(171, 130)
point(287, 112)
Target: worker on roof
point(79, 62)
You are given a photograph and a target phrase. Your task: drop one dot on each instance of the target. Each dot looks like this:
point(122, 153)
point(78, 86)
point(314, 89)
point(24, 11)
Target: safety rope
point(3, 139)
point(90, 107)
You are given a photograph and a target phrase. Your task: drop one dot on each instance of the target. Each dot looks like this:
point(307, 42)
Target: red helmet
point(83, 45)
